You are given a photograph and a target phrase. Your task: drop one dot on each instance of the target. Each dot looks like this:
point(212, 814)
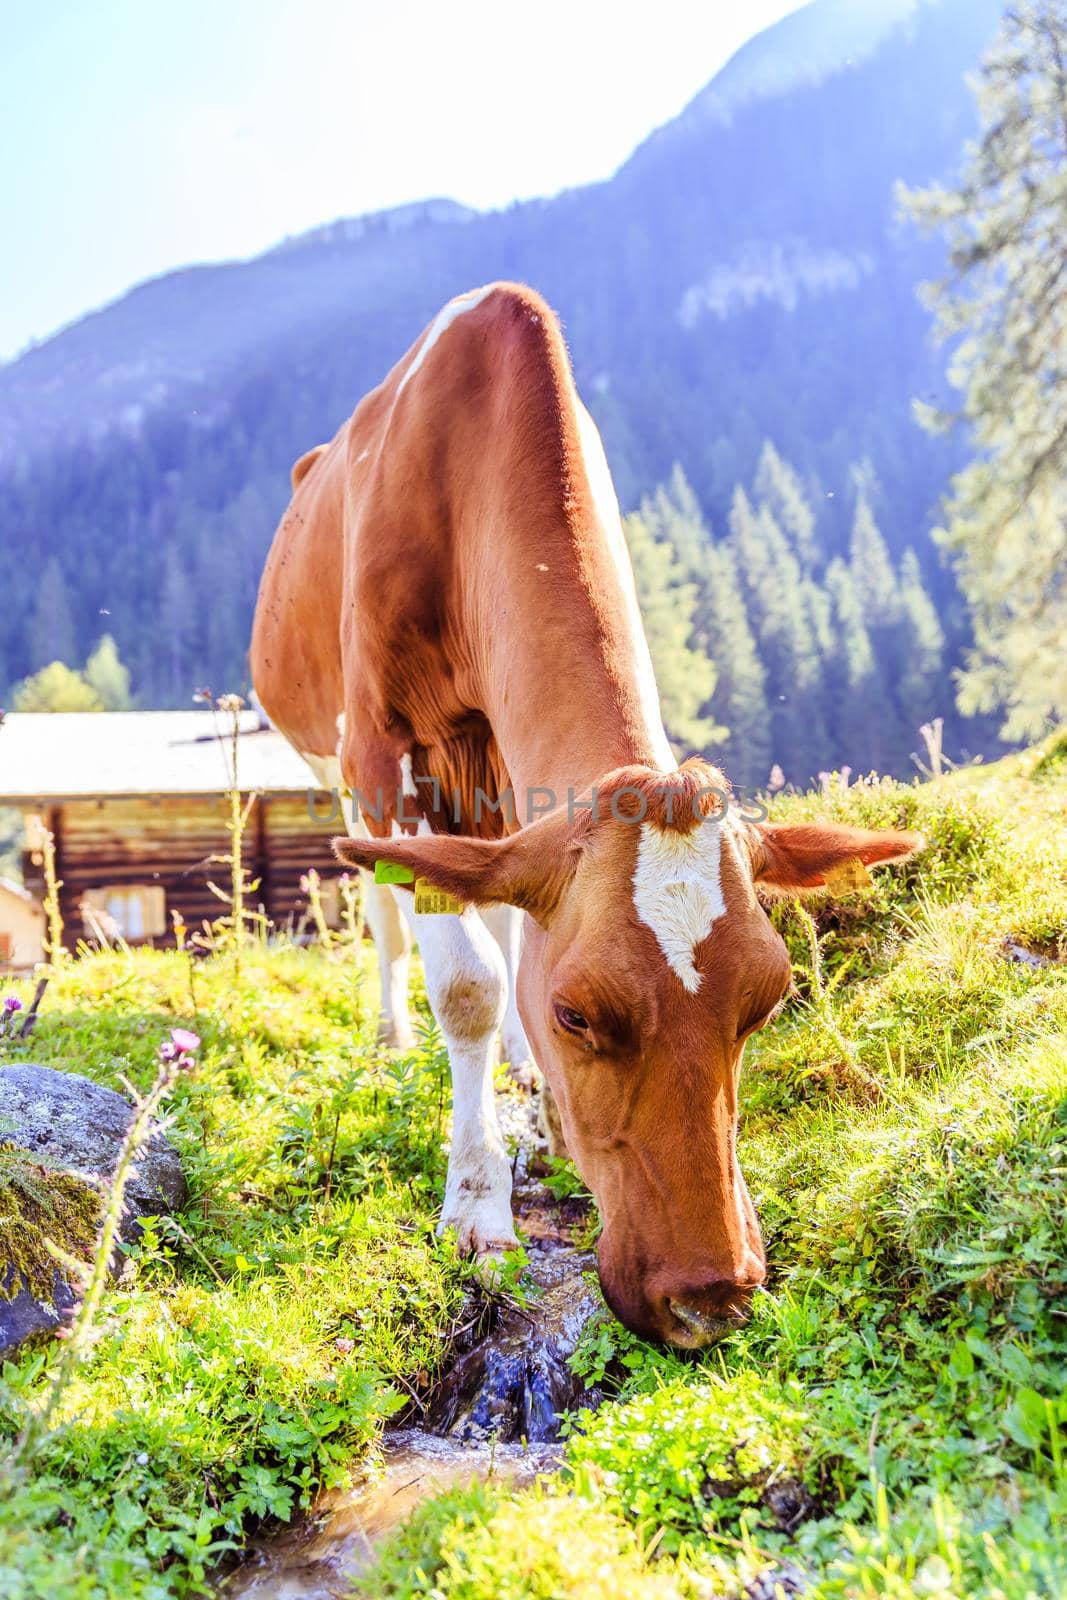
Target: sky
point(141, 135)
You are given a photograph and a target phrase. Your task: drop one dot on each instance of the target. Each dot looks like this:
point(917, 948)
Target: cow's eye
point(571, 1020)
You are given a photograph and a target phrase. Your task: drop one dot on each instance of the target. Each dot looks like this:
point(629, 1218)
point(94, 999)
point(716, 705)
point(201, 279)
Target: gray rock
point(78, 1126)
point(23, 1315)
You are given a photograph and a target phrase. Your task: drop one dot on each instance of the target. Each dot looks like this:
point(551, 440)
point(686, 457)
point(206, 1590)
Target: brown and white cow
point(449, 598)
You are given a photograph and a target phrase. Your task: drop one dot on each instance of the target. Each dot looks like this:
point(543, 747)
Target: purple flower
point(179, 1048)
point(12, 1003)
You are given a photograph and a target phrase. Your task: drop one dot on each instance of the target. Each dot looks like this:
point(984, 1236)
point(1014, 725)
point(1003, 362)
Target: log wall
point(168, 841)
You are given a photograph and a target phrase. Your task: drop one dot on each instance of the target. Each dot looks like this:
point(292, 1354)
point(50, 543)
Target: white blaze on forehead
point(678, 891)
point(444, 318)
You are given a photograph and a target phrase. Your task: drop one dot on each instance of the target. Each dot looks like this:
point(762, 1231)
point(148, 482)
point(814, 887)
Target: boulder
point(60, 1136)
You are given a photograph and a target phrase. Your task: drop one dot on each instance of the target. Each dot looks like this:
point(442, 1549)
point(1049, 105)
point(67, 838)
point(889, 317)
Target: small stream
point(323, 1558)
point(494, 1415)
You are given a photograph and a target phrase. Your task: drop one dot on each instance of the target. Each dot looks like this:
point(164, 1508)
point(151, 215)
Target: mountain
point(743, 277)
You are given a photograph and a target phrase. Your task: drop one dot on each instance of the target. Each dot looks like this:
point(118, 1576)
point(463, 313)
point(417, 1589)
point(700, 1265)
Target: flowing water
point(494, 1416)
point(323, 1558)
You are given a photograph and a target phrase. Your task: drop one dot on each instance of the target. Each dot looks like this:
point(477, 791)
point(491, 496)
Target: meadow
point(890, 1423)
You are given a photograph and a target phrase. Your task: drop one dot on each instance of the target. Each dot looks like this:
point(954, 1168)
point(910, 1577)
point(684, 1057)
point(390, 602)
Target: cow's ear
point(790, 858)
point(528, 870)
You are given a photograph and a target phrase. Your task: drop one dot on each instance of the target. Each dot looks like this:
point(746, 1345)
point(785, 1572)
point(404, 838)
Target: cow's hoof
point(486, 1239)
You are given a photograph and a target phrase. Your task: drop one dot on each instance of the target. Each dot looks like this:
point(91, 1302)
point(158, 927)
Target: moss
point(41, 1205)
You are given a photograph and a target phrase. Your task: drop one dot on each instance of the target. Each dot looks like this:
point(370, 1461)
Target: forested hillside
point(745, 278)
point(807, 654)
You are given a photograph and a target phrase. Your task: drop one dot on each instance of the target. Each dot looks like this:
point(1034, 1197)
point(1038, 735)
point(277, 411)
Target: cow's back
point(451, 522)
point(295, 656)
point(351, 610)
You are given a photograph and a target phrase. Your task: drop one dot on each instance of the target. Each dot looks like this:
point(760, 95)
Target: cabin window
point(7, 946)
point(126, 911)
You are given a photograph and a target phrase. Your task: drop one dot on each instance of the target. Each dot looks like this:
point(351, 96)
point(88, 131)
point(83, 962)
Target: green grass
point(890, 1423)
point(260, 1340)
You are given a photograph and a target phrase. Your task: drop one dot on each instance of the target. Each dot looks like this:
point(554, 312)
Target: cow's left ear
point(790, 858)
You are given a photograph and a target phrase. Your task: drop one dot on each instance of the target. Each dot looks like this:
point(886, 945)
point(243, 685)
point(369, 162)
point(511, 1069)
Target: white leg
point(466, 982)
point(392, 941)
point(505, 923)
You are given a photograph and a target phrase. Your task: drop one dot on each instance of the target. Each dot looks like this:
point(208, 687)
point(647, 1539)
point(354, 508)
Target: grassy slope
point(899, 1394)
point(218, 1390)
point(895, 1397)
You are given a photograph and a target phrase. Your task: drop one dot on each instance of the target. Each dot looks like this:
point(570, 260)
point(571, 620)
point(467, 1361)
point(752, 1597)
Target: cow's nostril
point(697, 1326)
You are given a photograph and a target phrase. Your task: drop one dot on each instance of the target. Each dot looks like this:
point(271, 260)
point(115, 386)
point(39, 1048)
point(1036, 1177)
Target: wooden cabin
point(137, 803)
point(21, 928)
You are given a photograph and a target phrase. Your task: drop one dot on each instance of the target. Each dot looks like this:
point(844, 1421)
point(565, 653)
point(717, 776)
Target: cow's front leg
point(466, 984)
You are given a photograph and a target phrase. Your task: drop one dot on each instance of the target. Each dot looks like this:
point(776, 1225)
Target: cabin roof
point(75, 755)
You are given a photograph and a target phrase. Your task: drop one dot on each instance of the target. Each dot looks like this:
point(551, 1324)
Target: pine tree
point(778, 487)
point(1005, 299)
point(820, 611)
point(854, 692)
point(105, 673)
point(721, 632)
point(871, 567)
point(176, 627)
point(673, 516)
point(920, 649)
point(740, 698)
point(685, 676)
point(685, 512)
point(51, 624)
point(779, 614)
point(751, 553)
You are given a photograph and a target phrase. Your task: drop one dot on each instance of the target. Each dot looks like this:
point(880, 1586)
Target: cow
point(448, 631)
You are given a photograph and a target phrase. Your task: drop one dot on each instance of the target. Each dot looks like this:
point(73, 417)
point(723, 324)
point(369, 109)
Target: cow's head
point(648, 962)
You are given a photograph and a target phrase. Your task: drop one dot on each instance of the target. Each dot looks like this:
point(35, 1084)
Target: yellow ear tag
point(433, 902)
point(848, 878)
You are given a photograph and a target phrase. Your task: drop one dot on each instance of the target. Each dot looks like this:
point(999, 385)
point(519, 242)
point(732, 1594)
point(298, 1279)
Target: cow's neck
point(570, 689)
